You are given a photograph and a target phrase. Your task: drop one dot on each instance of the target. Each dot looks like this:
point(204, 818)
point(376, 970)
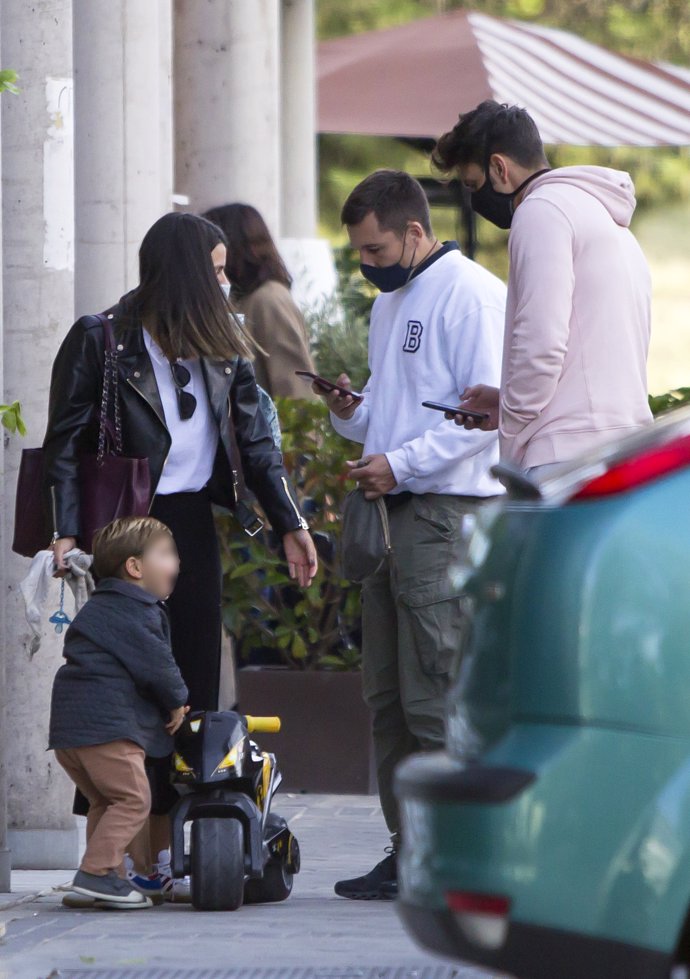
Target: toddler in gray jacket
point(119, 697)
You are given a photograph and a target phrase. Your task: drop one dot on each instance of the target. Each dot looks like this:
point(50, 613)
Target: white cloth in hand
point(35, 587)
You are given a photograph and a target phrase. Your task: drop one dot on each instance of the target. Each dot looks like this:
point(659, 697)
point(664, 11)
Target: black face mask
point(389, 277)
point(496, 206)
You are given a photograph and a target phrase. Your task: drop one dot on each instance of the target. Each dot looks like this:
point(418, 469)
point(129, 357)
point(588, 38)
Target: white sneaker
point(160, 884)
point(176, 889)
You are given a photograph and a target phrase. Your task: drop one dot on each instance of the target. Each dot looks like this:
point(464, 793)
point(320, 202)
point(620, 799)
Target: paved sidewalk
point(339, 836)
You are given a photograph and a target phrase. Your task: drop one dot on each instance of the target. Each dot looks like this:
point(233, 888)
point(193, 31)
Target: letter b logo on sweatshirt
point(413, 337)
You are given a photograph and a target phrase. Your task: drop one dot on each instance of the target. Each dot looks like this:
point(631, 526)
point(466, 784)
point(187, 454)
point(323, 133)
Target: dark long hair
point(252, 254)
point(179, 295)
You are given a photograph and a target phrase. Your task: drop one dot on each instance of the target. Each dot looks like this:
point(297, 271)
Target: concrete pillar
point(123, 140)
point(309, 259)
point(38, 307)
point(227, 104)
point(298, 119)
point(5, 863)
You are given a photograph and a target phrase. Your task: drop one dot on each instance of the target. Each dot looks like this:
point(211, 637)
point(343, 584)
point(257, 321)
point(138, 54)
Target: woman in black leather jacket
point(188, 402)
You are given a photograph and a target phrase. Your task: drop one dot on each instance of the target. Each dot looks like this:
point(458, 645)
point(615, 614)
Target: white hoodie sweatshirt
point(427, 342)
point(577, 319)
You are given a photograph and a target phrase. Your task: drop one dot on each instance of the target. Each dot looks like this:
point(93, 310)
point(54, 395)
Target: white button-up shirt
point(192, 454)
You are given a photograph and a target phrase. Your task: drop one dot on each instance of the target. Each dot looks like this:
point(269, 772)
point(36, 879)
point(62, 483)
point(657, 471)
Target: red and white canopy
point(415, 79)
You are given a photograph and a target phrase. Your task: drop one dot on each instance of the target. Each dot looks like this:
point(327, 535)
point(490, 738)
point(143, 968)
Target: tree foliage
point(649, 29)
point(334, 18)
point(653, 29)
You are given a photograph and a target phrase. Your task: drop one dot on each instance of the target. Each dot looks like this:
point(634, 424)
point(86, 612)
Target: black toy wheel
point(217, 864)
point(275, 885)
point(294, 860)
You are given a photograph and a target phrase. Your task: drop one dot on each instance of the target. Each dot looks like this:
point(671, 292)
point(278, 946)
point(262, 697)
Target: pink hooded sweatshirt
point(577, 319)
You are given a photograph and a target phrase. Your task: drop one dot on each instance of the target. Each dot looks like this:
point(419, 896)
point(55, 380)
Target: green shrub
point(661, 403)
point(319, 627)
point(339, 329)
point(314, 628)
point(11, 418)
point(8, 80)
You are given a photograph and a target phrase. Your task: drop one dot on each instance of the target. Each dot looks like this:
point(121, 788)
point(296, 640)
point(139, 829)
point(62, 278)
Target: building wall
point(87, 152)
point(38, 304)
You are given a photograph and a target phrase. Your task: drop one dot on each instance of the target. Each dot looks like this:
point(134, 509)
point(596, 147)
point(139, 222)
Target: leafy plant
point(318, 628)
point(270, 618)
point(11, 418)
point(7, 81)
point(661, 403)
point(339, 328)
point(11, 415)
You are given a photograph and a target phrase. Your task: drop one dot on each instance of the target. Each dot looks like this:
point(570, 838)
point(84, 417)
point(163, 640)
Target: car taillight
point(628, 475)
point(483, 918)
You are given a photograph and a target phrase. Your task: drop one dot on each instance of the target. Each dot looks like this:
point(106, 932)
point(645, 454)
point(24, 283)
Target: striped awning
point(413, 81)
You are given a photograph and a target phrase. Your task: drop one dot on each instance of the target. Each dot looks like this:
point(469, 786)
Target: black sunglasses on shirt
point(186, 402)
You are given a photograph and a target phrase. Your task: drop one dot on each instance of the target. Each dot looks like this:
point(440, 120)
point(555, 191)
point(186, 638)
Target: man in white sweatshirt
point(436, 329)
point(579, 293)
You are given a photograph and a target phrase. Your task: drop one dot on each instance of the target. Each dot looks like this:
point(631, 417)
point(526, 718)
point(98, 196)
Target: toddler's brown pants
point(113, 778)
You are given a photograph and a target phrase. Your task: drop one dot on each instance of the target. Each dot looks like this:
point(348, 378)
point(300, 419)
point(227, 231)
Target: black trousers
point(195, 605)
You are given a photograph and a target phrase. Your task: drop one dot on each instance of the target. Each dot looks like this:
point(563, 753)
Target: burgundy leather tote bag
point(111, 484)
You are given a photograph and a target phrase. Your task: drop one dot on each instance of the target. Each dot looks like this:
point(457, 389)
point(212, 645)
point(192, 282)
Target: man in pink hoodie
point(578, 309)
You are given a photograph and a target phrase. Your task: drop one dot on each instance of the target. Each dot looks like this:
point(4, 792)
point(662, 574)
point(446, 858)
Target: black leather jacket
point(75, 396)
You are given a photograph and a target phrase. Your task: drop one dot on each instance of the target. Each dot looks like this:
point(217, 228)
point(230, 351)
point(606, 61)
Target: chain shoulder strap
point(110, 388)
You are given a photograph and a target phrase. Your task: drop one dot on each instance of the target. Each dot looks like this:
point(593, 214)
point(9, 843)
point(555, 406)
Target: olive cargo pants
point(412, 627)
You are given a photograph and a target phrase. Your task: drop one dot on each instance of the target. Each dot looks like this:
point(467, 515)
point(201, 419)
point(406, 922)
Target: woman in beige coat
point(261, 290)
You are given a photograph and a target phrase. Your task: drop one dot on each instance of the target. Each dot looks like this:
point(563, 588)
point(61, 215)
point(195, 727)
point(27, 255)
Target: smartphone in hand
point(479, 416)
point(326, 385)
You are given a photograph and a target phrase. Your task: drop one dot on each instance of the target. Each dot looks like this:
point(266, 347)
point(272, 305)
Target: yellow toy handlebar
point(263, 725)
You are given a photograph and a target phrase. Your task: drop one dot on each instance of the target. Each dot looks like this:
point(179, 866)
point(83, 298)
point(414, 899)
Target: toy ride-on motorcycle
point(239, 850)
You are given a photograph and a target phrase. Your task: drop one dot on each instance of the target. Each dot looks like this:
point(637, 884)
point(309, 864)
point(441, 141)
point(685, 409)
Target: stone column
point(38, 307)
point(123, 140)
point(298, 121)
point(309, 259)
point(5, 863)
point(227, 105)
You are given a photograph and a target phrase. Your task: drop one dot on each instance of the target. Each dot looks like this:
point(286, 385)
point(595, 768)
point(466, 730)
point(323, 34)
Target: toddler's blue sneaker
point(160, 885)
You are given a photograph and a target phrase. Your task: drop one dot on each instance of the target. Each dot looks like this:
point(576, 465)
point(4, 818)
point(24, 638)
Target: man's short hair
point(393, 196)
point(490, 128)
point(124, 538)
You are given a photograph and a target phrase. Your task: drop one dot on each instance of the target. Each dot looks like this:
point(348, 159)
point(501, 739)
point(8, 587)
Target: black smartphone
point(327, 385)
point(479, 416)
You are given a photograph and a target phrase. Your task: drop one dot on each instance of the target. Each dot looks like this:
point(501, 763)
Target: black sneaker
point(374, 886)
point(389, 890)
point(109, 888)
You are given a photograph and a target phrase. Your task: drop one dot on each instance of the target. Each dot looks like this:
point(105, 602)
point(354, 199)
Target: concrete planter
point(325, 744)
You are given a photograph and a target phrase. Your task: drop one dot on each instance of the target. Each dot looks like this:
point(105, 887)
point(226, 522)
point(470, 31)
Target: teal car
point(551, 840)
